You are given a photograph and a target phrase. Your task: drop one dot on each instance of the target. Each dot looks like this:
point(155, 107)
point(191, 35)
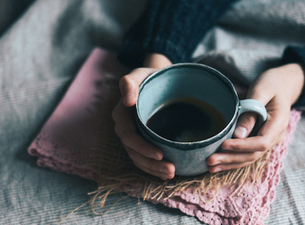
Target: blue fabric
point(172, 27)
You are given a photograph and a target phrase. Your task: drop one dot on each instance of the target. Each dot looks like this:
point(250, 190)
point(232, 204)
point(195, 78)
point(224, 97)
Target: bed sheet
point(39, 56)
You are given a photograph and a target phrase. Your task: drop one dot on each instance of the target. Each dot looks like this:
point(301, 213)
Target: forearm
point(296, 55)
point(283, 85)
point(156, 60)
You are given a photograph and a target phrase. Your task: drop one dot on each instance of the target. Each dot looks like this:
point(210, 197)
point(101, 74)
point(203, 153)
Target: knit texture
point(172, 27)
point(293, 54)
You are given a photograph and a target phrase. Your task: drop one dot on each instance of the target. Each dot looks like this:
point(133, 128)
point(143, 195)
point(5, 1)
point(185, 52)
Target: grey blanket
point(43, 43)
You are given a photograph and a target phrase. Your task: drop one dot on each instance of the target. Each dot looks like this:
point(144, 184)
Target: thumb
point(129, 85)
point(245, 125)
point(129, 91)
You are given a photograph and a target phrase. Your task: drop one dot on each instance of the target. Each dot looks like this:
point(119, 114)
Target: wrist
point(283, 84)
point(297, 74)
point(156, 60)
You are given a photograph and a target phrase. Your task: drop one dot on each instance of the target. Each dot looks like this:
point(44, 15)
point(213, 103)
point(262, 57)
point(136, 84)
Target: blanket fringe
point(147, 187)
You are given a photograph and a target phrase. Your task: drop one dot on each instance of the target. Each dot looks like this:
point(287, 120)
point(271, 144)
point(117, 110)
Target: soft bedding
point(42, 51)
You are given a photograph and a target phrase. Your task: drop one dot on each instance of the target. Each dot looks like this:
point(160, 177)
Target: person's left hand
point(278, 89)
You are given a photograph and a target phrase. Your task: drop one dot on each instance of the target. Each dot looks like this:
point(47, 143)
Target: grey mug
point(198, 81)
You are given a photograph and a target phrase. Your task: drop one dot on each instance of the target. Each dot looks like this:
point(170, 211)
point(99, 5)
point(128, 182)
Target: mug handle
point(252, 105)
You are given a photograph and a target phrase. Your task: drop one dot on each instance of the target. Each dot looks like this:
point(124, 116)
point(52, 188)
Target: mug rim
point(188, 145)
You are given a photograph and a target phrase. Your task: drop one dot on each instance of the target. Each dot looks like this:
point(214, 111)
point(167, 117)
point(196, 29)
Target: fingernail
point(240, 132)
point(129, 97)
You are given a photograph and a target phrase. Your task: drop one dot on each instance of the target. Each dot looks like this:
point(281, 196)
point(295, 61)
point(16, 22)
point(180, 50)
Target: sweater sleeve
point(170, 27)
point(295, 54)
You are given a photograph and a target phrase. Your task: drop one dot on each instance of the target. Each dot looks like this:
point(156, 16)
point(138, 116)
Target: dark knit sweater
point(171, 27)
point(175, 27)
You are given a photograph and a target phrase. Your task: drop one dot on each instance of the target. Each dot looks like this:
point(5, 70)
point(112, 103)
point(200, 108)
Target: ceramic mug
point(202, 83)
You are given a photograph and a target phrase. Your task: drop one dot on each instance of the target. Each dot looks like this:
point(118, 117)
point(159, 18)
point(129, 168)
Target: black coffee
point(186, 120)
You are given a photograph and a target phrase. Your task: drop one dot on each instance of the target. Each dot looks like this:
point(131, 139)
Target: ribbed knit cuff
point(293, 54)
point(171, 27)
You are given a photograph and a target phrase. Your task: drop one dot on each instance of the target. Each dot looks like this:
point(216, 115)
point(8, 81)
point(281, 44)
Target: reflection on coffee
point(186, 120)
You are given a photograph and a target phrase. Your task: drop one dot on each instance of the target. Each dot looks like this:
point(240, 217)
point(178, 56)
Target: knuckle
point(255, 156)
point(211, 160)
point(248, 117)
point(123, 81)
point(265, 145)
point(114, 115)
point(138, 70)
point(125, 137)
point(229, 160)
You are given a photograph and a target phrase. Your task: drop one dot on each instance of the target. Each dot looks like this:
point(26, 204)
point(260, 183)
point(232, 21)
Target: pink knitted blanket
point(68, 139)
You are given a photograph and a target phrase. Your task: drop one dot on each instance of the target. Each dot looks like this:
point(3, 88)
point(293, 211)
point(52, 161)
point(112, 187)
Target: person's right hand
point(144, 155)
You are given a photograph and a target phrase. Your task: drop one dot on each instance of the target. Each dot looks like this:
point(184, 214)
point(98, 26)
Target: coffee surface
point(186, 120)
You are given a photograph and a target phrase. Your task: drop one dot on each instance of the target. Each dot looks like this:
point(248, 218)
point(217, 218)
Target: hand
point(144, 155)
point(277, 89)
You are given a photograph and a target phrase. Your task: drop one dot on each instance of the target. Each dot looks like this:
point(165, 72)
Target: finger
point(250, 144)
point(225, 167)
point(162, 176)
point(224, 158)
point(124, 116)
point(136, 142)
point(162, 169)
point(129, 85)
point(227, 161)
point(126, 130)
point(271, 133)
point(245, 125)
